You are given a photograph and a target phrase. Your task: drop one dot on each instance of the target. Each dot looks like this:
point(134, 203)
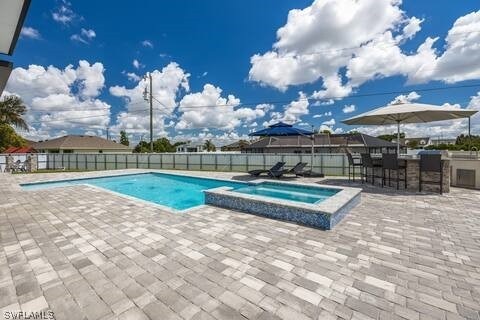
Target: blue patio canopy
point(281, 129)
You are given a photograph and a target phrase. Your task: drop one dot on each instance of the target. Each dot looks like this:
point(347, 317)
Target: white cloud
point(136, 64)
point(292, 112)
point(132, 76)
point(64, 14)
point(88, 33)
point(412, 96)
point(167, 84)
point(208, 109)
point(349, 108)
point(412, 27)
point(29, 32)
point(61, 99)
point(147, 43)
point(307, 45)
point(345, 43)
point(85, 36)
point(329, 123)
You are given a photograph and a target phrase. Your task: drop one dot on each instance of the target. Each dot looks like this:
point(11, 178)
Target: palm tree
point(12, 110)
point(209, 146)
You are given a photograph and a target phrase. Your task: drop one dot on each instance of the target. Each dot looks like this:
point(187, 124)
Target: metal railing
point(329, 164)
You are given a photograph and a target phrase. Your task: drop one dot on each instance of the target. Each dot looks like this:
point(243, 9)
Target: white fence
point(330, 164)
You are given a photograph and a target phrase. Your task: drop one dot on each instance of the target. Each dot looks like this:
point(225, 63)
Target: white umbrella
point(409, 113)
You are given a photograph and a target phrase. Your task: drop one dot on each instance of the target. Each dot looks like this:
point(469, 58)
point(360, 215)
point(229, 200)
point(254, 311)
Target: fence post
point(116, 165)
point(96, 167)
point(231, 164)
point(63, 166)
point(246, 160)
point(126, 162)
point(343, 164)
point(264, 164)
point(321, 163)
point(136, 158)
point(148, 161)
point(161, 160)
point(216, 162)
point(54, 162)
point(86, 161)
point(201, 161)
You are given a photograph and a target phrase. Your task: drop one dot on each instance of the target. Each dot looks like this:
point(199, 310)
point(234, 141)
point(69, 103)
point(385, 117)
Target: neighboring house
point(236, 146)
point(80, 144)
point(415, 143)
point(189, 147)
point(438, 141)
point(323, 143)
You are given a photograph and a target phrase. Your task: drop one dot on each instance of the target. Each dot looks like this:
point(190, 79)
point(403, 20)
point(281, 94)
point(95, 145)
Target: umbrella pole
point(398, 138)
point(469, 136)
point(313, 149)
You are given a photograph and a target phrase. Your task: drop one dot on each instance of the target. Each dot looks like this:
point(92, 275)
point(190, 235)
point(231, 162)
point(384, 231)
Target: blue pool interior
point(288, 192)
point(183, 192)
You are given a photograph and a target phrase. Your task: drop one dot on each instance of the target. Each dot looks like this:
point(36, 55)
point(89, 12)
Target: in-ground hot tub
point(310, 204)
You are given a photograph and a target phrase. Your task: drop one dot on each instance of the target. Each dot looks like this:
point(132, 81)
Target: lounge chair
point(297, 170)
point(276, 167)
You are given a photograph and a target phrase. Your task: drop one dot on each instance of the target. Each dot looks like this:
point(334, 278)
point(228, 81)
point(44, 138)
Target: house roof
point(322, 140)
point(20, 150)
point(79, 142)
point(237, 144)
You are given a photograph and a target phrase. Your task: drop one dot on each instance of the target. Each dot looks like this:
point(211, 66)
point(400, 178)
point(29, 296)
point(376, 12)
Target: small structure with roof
point(80, 144)
point(189, 147)
point(22, 150)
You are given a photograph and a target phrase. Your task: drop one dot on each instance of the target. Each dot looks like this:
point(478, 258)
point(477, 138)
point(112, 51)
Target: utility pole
point(150, 99)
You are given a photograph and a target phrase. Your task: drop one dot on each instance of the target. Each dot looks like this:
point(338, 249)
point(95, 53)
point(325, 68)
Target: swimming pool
point(174, 191)
point(314, 205)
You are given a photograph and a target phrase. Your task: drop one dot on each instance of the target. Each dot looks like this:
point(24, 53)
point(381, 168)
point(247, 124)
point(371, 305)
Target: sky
point(222, 69)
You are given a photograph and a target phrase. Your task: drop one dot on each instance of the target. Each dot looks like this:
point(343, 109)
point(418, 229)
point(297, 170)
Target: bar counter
point(413, 166)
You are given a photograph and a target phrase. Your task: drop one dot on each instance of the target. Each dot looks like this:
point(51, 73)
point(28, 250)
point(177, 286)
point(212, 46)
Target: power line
point(371, 94)
point(392, 44)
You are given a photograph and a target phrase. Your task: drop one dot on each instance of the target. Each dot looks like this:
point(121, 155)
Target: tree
point(9, 138)
point(413, 144)
point(209, 146)
point(390, 137)
point(12, 110)
point(124, 138)
point(160, 145)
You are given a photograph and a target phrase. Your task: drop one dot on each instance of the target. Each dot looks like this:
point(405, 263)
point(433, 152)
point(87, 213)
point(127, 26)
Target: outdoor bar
point(430, 179)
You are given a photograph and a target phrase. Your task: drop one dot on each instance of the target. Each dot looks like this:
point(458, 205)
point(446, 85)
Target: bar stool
point(367, 162)
point(430, 163)
point(352, 164)
point(390, 162)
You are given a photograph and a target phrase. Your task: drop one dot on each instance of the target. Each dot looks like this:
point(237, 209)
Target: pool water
point(182, 192)
point(288, 192)
point(174, 191)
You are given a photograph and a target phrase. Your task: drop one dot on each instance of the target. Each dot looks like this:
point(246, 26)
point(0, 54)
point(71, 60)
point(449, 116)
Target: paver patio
point(88, 254)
